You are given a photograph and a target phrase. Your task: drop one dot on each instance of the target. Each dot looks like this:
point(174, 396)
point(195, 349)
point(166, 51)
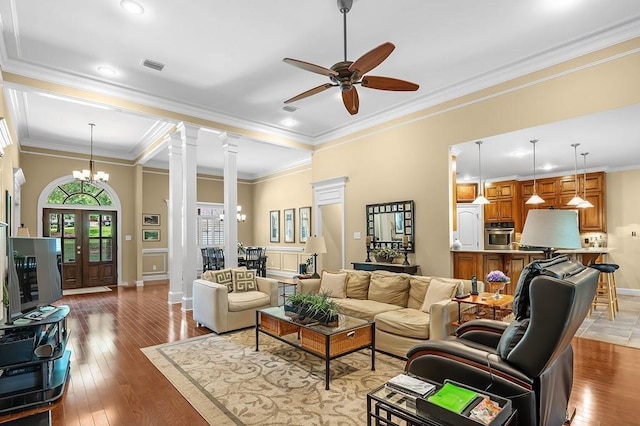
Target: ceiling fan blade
point(310, 92)
point(388, 83)
point(310, 67)
point(351, 100)
point(372, 58)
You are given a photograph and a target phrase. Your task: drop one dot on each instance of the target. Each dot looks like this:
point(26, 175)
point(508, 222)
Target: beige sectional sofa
point(396, 302)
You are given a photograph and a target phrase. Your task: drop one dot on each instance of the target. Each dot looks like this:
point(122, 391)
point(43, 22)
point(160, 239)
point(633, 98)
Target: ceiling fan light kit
point(346, 74)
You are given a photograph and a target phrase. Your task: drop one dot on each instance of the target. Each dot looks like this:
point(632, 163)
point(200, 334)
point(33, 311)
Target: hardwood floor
point(113, 383)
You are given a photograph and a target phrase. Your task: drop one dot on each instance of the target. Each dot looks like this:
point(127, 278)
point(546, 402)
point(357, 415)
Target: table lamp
point(551, 229)
point(316, 246)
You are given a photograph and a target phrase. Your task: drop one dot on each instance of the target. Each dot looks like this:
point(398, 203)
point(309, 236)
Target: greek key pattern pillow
point(224, 277)
point(244, 281)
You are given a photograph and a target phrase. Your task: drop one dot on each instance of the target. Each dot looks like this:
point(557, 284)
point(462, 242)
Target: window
point(79, 193)
point(209, 231)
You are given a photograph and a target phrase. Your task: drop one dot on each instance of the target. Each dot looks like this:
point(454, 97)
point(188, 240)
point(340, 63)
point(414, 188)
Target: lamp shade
point(315, 245)
point(555, 229)
point(23, 232)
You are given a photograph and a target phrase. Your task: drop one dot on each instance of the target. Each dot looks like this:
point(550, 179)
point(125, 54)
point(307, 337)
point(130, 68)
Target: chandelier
point(91, 175)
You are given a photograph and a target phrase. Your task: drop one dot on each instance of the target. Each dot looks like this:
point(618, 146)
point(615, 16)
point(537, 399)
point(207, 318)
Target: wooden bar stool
point(607, 292)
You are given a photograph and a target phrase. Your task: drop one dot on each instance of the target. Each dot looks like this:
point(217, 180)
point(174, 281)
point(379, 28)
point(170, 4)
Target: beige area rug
point(229, 383)
point(86, 290)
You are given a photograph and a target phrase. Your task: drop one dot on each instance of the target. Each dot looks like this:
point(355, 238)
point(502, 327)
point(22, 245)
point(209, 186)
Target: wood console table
point(392, 267)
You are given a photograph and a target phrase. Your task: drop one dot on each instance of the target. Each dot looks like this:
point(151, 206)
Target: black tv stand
point(36, 381)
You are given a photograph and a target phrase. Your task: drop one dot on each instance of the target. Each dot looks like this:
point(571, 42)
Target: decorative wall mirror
point(387, 223)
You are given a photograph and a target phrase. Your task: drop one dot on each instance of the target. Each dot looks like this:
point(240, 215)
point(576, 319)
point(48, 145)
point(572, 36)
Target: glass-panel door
point(87, 245)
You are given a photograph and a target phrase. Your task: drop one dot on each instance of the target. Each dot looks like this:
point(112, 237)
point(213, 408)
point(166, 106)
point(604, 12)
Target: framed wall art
point(150, 235)
point(289, 225)
point(274, 225)
point(304, 218)
point(150, 219)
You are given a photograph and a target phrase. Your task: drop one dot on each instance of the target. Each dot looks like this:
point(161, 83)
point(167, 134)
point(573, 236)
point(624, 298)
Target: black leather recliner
point(530, 360)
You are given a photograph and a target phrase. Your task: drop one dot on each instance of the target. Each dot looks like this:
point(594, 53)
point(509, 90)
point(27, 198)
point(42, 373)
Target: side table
point(284, 283)
point(485, 300)
point(388, 408)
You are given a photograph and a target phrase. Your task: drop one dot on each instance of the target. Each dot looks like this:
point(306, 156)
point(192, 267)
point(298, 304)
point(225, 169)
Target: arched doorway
point(84, 216)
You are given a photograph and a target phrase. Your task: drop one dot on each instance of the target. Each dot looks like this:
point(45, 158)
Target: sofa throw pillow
point(418, 285)
point(389, 287)
point(222, 277)
point(438, 291)
point(333, 284)
point(244, 280)
point(357, 284)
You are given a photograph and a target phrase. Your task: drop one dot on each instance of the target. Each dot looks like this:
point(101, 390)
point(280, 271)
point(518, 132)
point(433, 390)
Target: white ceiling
point(224, 63)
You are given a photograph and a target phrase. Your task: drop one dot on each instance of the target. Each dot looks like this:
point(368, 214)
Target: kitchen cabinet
point(504, 204)
point(591, 219)
point(465, 265)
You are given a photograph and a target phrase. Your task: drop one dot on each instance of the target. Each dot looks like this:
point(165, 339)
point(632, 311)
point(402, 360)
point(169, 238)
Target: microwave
point(499, 235)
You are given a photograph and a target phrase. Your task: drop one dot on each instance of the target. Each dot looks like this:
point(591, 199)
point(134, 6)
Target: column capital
point(228, 137)
point(189, 132)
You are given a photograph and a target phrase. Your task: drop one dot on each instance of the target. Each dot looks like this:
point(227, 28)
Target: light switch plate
point(356, 236)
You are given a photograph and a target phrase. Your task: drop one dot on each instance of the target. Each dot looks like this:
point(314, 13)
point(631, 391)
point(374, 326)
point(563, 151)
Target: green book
point(452, 398)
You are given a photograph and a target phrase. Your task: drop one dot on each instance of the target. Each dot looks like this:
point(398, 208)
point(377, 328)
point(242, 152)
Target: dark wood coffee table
point(351, 335)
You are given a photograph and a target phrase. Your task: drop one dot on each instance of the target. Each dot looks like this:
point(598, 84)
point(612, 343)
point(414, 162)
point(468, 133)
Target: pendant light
point(585, 204)
point(480, 199)
point(90, 175)
point(535, 198)
point(576, 198)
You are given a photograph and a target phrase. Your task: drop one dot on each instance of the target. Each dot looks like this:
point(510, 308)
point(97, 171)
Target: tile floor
point(624, 330)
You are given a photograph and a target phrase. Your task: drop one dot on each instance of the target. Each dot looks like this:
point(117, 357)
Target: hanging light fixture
point(535, 198)
point(576, 198)
point(585, 204)
point(91, 175)
point(239, 216)
point(480, 199)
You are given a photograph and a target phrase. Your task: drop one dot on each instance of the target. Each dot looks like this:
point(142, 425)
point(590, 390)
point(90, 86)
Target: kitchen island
point(480, 262)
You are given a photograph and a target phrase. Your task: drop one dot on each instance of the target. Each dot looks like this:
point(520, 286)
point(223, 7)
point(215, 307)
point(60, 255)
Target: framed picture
point(304, 214)
point(466, 192)
point(289, 225)
point(150, 219)
point(274, 220)
point(150, 235)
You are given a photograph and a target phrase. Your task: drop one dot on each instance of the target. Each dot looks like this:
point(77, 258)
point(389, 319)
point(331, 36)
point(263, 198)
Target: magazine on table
point(409, 385)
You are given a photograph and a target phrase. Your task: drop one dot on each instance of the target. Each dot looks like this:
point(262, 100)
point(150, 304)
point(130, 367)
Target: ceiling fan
point(347, 74)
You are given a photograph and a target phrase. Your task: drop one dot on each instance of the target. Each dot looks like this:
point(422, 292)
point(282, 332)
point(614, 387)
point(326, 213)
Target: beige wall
point(623, 217)
point(283, 191)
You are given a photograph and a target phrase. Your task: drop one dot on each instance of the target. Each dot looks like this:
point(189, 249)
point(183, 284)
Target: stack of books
point(410, 386)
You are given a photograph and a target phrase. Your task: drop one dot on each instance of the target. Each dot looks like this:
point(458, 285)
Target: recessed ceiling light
point(289, 122)
point(548, 167)
point(132, 7)
point(106, 70)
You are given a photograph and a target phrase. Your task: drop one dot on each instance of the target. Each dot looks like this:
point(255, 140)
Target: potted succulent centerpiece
point(312, 307)
point(385, 254)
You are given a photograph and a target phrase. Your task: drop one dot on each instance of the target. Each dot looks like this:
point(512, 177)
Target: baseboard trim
point(629, 291)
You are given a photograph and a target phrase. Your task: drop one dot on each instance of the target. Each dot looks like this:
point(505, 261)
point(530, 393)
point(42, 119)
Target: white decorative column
point(175, 218)
point(230, 149)
point(189, 134)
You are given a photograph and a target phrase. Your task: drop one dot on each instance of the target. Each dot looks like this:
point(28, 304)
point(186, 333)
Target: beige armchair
point(221, 311)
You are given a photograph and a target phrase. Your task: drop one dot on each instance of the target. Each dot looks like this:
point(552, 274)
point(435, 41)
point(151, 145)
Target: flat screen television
point(34, 274)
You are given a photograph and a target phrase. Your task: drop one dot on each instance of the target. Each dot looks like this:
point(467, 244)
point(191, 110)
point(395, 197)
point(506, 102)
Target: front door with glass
point(87, 244)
